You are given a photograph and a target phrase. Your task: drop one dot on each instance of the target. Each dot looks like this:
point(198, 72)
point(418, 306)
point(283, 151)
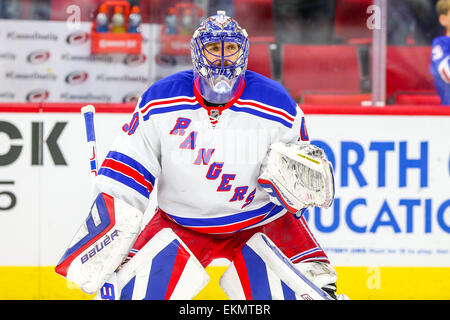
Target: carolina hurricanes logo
point(38, 56)
point(131, 97)
point(38, 95)
point(135, 59)
point(77, 38)
point(76, 77)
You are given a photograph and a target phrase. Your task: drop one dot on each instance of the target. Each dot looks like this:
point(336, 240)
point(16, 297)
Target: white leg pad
point(163, 269)
point(262, 272)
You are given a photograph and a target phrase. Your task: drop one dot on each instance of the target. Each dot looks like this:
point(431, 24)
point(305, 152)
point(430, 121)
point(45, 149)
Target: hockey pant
point(172, 266)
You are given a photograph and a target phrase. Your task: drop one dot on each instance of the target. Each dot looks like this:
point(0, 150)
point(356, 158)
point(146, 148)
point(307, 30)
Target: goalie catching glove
point(297, 176)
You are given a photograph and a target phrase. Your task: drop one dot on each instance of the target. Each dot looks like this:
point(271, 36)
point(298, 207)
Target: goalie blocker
point(101, 243)
point(298, 176)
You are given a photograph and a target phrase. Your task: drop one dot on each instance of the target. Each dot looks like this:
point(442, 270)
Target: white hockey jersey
point(205, 160)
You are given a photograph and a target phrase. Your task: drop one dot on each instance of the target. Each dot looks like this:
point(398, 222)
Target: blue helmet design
point(220, 75)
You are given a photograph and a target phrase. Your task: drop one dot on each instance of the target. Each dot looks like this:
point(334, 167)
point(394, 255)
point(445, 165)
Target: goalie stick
point(88, 112)
point(108, 289)
point(97, 248)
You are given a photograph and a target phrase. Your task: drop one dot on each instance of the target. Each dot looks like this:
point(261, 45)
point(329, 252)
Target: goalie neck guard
point(220, 73)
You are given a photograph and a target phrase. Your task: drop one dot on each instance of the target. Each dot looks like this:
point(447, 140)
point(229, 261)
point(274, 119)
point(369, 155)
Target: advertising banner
point(50, 61)
point(392, 175)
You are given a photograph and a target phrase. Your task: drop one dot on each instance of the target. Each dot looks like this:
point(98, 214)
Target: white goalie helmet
point(219, 51)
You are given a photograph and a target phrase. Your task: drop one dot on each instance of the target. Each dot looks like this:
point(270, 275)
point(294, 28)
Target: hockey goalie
point(229, 151)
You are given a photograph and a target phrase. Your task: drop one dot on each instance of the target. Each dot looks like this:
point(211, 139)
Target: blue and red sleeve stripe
point(129, 172)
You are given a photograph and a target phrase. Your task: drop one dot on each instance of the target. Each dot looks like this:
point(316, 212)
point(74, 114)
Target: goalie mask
point(219, 51)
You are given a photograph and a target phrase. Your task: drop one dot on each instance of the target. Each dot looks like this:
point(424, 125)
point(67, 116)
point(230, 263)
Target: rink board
point(358, 283)
point(387, 231)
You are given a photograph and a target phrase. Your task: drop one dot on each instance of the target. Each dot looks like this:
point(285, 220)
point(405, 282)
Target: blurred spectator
point(412, 22)
point(26, 9)
point(440, 67)
point(10, 9)
point(215, 5)
point(301, 22)
point(304, 21)
point(40, 10)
